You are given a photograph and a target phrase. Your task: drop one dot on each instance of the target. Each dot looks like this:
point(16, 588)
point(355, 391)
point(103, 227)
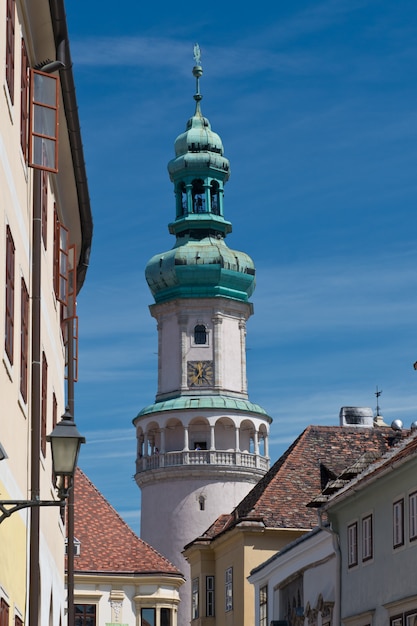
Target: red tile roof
point(404, 450)
point(320, 453)
point(108, 544)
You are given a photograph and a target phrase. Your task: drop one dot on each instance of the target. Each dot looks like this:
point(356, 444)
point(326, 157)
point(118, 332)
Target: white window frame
point(195, 600)
point(263, 605)
point(352, 544)
point(367, 537)
point(210, 596)
point(228, 589)
point(412, 516)
point(398, 523)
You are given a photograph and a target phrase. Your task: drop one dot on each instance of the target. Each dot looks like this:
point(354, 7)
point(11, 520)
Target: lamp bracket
point(8, 507)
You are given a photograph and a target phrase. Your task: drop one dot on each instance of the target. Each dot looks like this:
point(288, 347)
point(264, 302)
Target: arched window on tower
point(199, 200)
point(214, 198)
point(182, 199)
point(200, 334)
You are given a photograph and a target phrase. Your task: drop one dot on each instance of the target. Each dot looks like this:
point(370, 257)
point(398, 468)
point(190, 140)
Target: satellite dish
point(413, 426)
point(397, 425)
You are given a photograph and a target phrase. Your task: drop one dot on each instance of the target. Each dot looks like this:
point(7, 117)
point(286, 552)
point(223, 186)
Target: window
point(44, 208)
point(44, 403)
point(10, 261)
point(352, 544)
point(214, 197)
point(165, 617)
point(263, 606)
point(398, 523)
point(200, 334)
point(367, 539)
point(199, 198)
point(404, 619)
point(10, 13)
point(18, 621)
point(209, 596)
point(24, 96)
point(412, 507)
point(194, 591)
point(43, 135)
point(147, 617)
point(61, 261)
point(229, 589)
point(4, 613)
point(182, 198)
point(411, 618)
point(85, 614)
point(24, 340)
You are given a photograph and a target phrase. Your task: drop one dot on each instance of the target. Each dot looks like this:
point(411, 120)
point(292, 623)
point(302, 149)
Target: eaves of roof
point(59, 25)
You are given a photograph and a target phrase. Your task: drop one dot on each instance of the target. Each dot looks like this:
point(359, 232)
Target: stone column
point(255, 443)
point(186, 448)
point(212, 438)
point(244, 382)
point(183, 321)
point(237, 443)
point(217, 350)
point(159, 328)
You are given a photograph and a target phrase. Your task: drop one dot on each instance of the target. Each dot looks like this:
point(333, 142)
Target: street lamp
point(65, 444)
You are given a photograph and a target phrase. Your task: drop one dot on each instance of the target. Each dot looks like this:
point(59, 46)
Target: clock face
point(200, 373)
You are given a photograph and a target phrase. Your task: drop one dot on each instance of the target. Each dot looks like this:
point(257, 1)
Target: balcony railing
point(202, 457)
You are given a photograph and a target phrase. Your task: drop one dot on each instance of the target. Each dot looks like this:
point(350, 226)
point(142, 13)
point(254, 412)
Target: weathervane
point(197, 54)
point(197, 72)
point(377, 393)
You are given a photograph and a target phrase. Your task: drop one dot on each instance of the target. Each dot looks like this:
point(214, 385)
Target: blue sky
point(316, 104)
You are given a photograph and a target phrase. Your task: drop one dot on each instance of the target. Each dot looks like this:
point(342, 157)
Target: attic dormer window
point(200, 334)
point(77, 547)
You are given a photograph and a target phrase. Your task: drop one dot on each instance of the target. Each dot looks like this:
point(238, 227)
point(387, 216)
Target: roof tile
point(280, 498)
point(108, 544)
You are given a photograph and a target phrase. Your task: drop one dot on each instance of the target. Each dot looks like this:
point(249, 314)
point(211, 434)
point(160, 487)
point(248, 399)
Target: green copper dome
point(201, 269)
point(199, 148)
point(200, 265)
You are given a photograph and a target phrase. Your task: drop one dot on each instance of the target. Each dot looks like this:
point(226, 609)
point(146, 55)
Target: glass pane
point(148, 617)
point(165, 617)
point(43, 152)
point(45, 89)
point(44, 121)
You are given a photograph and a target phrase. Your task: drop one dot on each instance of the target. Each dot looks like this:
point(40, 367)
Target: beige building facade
point(45, 239)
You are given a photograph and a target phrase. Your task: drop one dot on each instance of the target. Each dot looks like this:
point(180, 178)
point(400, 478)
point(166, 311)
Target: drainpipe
point(35, 413)
point(70, 504)
point(336, 547)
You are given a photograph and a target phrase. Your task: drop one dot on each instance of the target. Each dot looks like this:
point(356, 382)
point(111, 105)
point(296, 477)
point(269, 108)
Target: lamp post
point(65, 443)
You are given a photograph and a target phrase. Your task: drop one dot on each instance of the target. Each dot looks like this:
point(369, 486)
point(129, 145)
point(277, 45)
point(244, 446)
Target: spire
point(197, 72)
point(199, 172)
point(200, 265)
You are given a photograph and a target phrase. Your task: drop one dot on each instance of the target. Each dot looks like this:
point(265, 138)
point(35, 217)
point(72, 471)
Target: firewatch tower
point(202, 444)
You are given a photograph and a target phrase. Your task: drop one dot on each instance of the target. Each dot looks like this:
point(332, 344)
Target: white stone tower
point(202, 445)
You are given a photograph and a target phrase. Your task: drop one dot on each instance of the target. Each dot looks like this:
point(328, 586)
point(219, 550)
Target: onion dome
point(201, 269)
point(200, 264)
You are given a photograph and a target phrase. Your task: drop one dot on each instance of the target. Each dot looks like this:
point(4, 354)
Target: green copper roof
point(205, 268)
point(204, 402)
point(200, 265)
